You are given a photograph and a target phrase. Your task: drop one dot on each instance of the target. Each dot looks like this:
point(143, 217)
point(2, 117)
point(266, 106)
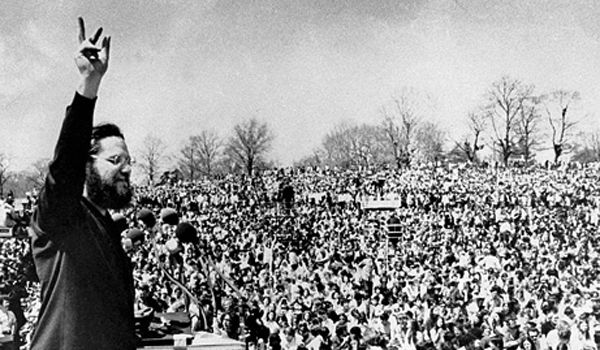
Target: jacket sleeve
point(63, 188)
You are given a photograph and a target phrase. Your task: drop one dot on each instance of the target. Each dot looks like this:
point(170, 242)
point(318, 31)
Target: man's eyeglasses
point(117, 160)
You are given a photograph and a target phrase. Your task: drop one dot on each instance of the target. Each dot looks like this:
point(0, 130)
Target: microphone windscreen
point(173, 246)
point(147, 217)
point(136, 235)
point(186, 233)
point(169, 216)
point(120, 222)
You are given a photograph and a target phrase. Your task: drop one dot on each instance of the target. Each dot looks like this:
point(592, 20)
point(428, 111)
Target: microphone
point(146, 217)
point(173, 246)
point(186, 233)
point(169, 216)
point(119, 222)
point(133, 237)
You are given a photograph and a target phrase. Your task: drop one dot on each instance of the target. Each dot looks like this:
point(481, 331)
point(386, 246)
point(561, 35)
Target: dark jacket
point(87, 286)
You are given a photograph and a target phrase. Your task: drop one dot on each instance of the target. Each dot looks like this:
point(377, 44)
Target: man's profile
point(87, 288)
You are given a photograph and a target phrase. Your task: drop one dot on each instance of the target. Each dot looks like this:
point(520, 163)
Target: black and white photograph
point(300, 175)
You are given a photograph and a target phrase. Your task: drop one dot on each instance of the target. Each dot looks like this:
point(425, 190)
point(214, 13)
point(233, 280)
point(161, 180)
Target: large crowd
point(460, 258)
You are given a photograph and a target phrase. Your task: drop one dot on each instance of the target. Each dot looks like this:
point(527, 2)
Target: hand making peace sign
point(91, 58)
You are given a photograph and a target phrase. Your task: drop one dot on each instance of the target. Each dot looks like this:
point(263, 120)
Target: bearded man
point(87, 287)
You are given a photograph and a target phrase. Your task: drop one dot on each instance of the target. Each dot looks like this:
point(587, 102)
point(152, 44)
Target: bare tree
point(505, 100)
point(527, 128)
point(369, 145)
point(559, 104)
point(354, 145)
point(314, 159)
point(209, 146)
point(594, 144)
point(37, 175)
point(471, 144)
point(5, 173)
point(151, 156)
point(250, 142)
point(590, 150)
point(393, 134)
point(199, 154)
point(338, 146)
point(189, 159)
point(400, 123)
point(430, 140)
point(457, 153)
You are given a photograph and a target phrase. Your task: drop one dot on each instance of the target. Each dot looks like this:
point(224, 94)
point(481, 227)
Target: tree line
point(512, 123)
point(206, 154)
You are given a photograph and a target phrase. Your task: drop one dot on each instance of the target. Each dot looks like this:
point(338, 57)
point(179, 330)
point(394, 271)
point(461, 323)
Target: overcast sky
point(178, 67)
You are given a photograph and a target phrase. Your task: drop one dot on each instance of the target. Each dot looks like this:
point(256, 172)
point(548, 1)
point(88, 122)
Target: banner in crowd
point(391, 204)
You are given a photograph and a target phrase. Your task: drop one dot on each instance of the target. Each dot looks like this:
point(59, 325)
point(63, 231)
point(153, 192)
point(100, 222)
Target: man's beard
point(107, 194)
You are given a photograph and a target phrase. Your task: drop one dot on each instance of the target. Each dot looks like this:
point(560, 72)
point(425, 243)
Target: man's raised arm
point(66, 177)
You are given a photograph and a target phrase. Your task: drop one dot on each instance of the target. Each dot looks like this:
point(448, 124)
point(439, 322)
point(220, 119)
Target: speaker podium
point(200, 340)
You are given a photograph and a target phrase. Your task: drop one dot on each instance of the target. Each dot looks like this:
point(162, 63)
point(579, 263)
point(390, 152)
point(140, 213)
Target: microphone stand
point(173, 280)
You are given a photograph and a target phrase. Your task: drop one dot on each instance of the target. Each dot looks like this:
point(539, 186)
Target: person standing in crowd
point(8, 325)
point(86, 280)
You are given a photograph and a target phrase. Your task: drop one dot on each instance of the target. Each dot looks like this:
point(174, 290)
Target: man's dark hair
point(102, 131)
